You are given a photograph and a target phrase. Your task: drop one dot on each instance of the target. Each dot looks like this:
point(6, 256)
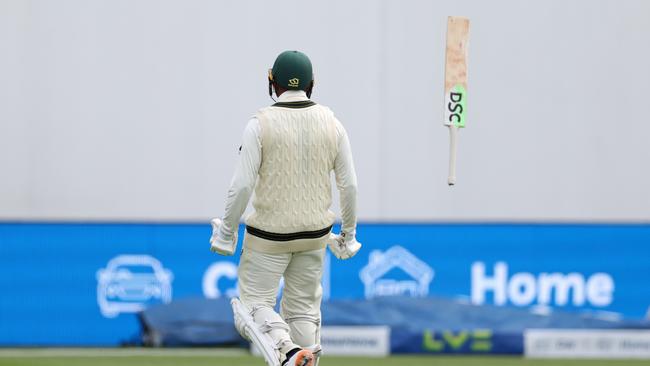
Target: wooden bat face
point(456, 71)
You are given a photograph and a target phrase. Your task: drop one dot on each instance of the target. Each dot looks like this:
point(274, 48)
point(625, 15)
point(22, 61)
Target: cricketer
point(288, 152)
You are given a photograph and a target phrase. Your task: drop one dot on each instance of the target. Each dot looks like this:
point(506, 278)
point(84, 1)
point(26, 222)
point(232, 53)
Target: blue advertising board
point(82, 284)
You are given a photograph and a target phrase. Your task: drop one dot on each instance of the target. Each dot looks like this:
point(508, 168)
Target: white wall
point(134, 109)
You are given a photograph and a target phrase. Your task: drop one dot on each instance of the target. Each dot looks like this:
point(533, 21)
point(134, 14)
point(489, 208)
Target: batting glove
point(218, 244)
point(343, 246)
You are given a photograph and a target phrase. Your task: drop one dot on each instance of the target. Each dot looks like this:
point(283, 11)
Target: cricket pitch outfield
point(236, 357)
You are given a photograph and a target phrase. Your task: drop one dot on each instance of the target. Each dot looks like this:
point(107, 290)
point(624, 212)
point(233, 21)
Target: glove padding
point(343, 247)
point(218, 244)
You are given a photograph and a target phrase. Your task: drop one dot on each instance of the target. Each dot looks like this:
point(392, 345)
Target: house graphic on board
point(377, 283)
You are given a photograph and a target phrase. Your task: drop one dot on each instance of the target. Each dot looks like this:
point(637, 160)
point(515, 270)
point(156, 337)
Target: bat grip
point(453, 136)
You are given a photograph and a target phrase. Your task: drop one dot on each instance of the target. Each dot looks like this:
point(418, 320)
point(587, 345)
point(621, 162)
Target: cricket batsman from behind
point(287, 155)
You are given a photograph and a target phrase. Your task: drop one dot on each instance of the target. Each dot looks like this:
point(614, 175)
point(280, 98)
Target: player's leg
point(302, 297)
point(258, 280)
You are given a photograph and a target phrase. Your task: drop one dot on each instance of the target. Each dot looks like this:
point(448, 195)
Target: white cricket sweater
point(293, 192)
point(251, 166)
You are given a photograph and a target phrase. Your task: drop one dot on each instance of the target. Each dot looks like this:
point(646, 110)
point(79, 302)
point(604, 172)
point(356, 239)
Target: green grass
point(98, 357)
point(326, 361)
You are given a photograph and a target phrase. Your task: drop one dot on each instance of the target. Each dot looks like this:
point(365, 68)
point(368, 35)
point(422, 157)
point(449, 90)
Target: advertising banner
point(569, 343)
point(82, 284)
point(351, 341)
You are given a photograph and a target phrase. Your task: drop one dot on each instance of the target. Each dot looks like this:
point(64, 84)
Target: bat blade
point(455, 85)
point(456, 71)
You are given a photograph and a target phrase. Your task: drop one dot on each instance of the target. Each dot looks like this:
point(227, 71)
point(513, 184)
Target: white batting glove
point(343, 246)
point(218, 244)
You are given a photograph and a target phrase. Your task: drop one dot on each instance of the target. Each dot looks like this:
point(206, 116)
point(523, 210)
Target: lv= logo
point(478, 341)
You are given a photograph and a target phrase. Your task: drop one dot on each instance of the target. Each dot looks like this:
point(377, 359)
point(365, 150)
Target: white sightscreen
point(134, 109)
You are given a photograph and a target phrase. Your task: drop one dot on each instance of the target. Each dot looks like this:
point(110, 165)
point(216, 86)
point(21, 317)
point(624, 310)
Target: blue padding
point(437, 325)
point(190, 322)
point(424, 325)
point(442, 313)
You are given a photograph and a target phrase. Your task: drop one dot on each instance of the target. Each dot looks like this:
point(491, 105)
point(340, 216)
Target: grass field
point(204, 357)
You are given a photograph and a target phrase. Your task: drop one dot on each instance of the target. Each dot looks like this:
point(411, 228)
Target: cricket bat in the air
point(455, 85)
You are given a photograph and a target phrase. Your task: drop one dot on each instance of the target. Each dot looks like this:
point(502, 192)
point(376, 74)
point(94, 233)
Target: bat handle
point(453, 136)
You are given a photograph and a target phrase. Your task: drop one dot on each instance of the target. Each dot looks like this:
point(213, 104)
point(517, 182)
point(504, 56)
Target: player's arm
point(345, 245)
point(346, 183)
point(224, 231)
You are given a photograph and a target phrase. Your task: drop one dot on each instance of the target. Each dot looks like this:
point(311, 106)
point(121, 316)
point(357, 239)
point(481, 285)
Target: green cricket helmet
point(292, 70)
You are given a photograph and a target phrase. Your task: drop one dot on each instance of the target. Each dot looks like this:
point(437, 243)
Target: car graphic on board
point(130, 283)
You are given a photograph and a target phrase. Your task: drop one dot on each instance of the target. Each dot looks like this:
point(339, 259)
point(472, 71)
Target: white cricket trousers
point(298, 324)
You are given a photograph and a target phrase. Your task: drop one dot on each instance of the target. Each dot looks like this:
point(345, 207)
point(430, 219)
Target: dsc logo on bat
point(455, 106)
